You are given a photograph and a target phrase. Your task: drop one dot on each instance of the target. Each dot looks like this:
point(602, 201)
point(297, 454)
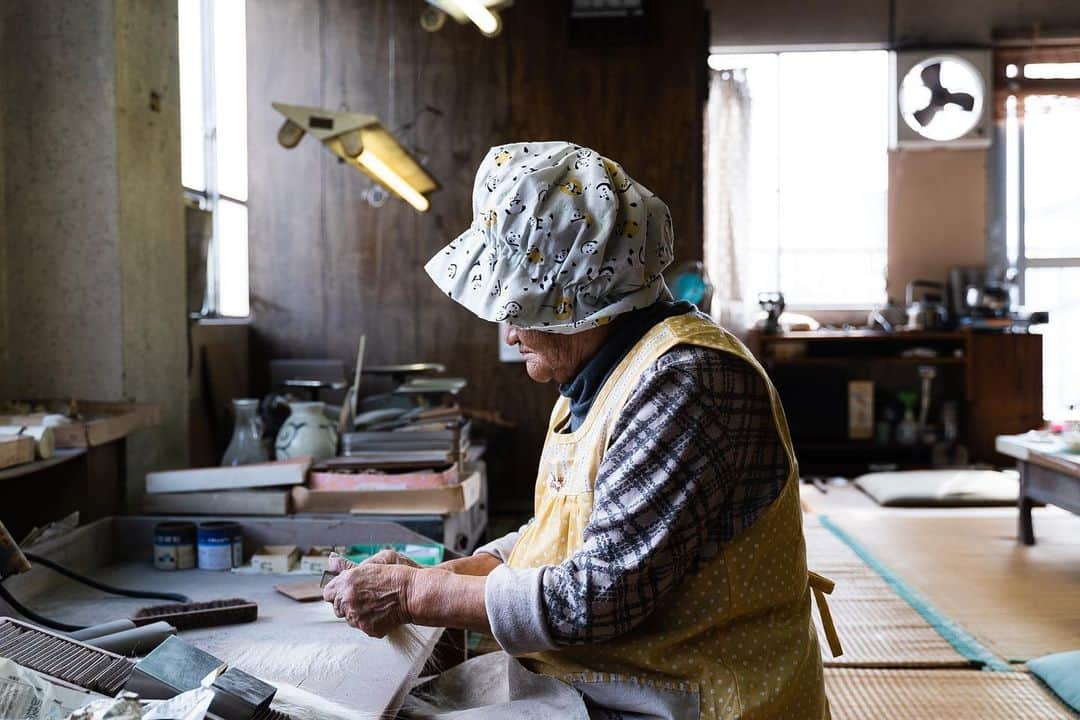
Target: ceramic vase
point(307, 431)
point(246, 446)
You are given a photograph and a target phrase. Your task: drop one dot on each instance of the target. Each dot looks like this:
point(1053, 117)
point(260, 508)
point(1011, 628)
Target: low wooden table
point(1048, 473)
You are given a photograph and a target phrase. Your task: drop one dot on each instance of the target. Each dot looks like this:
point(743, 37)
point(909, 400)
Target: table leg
point(1025, 528)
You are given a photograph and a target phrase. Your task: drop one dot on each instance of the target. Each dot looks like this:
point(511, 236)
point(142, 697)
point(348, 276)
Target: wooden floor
point(1021, 602)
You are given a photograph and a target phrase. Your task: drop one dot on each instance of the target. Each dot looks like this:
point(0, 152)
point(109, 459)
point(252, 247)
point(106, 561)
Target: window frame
point(827, 312)
point(210, 197)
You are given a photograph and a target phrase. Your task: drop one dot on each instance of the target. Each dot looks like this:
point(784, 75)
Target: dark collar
point(625, 333)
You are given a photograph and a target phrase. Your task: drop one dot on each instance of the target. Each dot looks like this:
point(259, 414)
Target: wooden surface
point(15, 450)
point(1004, 377)
point(327, 267)
point(89, 480)
point(323, 656)
point(994, 378)
point(302, 644)
point(1050, 454)
point(1019, 601)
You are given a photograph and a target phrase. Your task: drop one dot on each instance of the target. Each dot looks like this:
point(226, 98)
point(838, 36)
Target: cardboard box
point(275, 559)
point(426, 501)
point(102, 422)
point(317, 560)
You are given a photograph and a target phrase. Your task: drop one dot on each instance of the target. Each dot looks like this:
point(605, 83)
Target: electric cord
point(71, 574)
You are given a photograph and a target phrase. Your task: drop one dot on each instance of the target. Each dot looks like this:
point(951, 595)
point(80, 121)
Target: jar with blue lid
point(216, 541)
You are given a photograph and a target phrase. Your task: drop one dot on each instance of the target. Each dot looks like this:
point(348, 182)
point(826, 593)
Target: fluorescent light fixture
point(363, 142)
point(482, 13)
point(386, 175)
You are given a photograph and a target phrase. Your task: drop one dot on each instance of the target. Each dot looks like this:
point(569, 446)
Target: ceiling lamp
point(481, 13)
point(363, 142)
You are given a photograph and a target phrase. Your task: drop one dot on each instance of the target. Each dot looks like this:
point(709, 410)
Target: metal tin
point(174, 546)
point(216, 545)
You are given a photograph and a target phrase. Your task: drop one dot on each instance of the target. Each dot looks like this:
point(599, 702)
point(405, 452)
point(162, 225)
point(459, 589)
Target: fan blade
point(931, 77)
point(926, 116)
point(966, 101)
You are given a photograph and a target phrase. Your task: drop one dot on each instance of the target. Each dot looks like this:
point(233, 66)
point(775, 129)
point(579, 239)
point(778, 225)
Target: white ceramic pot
point(307, 431)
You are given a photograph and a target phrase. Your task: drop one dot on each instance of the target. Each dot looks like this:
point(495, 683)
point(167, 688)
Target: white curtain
point(727, 176)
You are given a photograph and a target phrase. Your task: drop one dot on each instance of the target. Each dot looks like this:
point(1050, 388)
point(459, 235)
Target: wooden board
point(15, 450)
point(301, 591)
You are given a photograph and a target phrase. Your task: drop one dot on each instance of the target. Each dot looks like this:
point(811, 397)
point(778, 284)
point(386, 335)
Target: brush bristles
point(189, 616)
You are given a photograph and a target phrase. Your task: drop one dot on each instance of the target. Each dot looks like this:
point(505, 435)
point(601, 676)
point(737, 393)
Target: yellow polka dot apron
point(738, 630)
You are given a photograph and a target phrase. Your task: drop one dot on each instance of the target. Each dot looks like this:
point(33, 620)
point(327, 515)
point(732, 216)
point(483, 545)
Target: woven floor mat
point(862, 694)
point(877, 627)
point(886, 633)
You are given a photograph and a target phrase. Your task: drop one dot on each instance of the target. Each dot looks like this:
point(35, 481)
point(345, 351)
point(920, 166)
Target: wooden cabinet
point(992, 382)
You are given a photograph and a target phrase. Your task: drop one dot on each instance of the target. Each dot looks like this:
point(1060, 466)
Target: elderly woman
point(663, 574)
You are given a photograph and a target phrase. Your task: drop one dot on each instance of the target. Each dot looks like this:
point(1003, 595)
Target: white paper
point(28, 695)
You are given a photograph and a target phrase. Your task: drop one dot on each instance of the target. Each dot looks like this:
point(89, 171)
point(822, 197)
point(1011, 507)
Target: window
point(816, 215)
point(1042, 208)
point(213, 140)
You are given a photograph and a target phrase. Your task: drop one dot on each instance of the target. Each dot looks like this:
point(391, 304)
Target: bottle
point(907, 430)
point(246, 446)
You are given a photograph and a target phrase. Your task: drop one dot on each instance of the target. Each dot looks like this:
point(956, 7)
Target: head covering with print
point(562, 240)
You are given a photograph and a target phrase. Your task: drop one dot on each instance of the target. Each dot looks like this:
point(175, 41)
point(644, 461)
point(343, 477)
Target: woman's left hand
point(372, 597)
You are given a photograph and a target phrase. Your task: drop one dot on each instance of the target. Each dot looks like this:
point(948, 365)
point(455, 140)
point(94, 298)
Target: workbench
point(302, 644)
point(1048, 473)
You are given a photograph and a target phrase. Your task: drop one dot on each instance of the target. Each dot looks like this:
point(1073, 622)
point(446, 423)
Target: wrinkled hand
point(383, 557)
point(372, 596)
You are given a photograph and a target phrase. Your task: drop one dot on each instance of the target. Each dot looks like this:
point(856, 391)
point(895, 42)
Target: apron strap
point(823, 586)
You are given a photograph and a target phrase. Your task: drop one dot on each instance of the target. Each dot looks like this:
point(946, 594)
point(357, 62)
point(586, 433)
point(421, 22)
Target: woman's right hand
point(386, 556)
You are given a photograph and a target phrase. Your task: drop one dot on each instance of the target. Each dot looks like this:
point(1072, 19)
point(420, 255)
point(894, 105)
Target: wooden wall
point(326, 266)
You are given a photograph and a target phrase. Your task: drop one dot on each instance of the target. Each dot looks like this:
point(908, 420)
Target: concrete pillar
point(93, 256)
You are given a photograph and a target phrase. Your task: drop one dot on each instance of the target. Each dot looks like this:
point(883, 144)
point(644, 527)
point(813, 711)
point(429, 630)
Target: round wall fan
point(940, 98)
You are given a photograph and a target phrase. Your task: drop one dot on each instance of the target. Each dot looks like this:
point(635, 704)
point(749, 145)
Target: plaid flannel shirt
point(694, 459)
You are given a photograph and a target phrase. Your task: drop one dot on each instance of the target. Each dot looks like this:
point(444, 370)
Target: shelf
point(842, 361)
point(59, 456)
point(866, 447)
point(908, 336)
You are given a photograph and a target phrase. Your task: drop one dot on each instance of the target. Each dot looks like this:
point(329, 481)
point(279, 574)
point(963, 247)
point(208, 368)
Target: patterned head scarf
point(562, 240)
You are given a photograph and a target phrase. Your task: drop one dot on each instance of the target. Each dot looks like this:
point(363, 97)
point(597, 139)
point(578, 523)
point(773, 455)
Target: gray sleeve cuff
point(515, 609)
point(500, 547)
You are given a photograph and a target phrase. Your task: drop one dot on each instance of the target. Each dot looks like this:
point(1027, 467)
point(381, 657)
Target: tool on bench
point(182, 615)
point(63, 658)
point(176, 666)
point(238, 696)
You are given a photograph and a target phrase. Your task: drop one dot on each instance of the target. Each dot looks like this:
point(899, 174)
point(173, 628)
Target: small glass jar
point(246, 446)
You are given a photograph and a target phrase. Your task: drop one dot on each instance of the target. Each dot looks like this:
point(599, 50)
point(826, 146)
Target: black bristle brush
point(193, 615)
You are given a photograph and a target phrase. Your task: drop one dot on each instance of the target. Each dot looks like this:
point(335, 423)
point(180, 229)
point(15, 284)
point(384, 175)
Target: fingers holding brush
point(371, 597)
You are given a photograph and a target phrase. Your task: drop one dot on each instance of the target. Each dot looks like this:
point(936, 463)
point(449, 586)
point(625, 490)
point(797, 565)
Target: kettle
point(927, 313)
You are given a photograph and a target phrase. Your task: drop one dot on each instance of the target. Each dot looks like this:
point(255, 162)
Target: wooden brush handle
point(12, 561)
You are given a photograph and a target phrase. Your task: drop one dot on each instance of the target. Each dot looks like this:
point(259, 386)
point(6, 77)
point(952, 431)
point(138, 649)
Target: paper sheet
point(27, 695)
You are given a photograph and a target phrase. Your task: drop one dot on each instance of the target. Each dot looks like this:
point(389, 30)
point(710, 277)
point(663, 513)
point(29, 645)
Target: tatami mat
point(877, 628)
point(1020, 602)
point(861, 694)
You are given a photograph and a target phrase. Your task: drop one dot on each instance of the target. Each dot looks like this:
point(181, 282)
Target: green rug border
point(958, 637)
